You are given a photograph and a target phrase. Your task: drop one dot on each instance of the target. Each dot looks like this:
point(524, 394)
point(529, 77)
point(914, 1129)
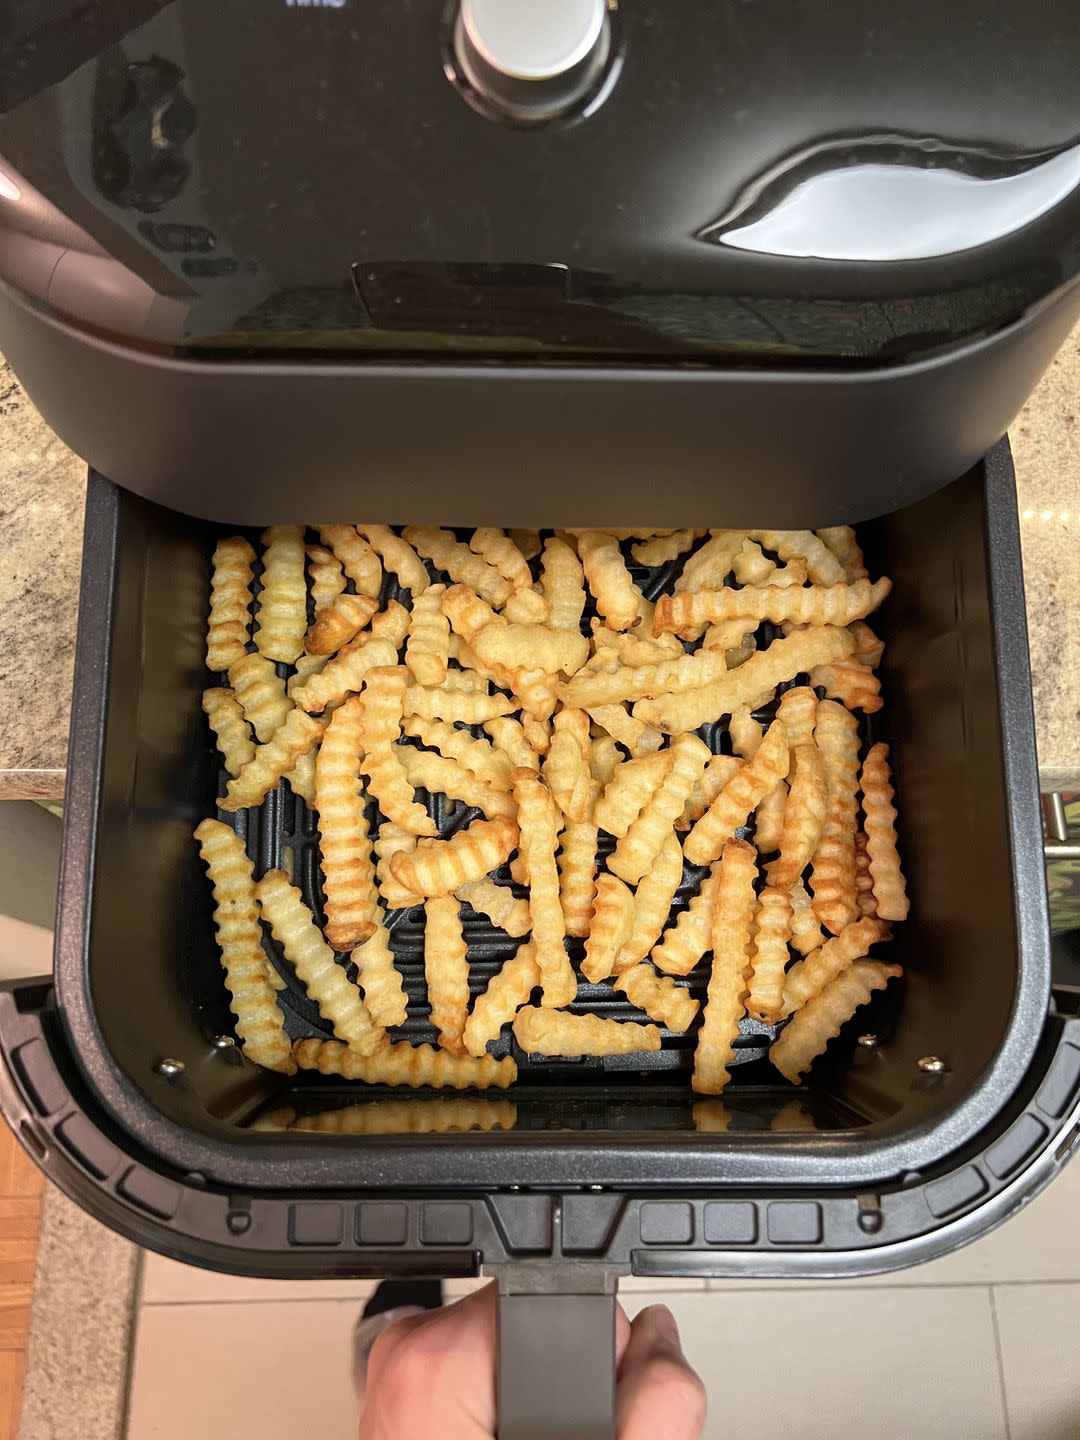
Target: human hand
point(434, 1375)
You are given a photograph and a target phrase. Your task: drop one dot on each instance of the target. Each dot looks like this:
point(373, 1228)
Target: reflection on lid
point(893, 198)
point(412, 1116)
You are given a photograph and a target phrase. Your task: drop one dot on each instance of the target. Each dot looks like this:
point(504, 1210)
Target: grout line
point(127, 1383)
point(867, 1282)
point(1000, 1363)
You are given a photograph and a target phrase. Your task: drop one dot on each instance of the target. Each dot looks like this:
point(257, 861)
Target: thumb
point(657, 1392)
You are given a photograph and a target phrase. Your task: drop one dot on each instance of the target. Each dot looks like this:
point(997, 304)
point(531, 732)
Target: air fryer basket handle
point(555, 1369)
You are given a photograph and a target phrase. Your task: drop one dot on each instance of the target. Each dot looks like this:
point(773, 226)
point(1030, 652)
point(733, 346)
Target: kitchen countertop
point(42, 488)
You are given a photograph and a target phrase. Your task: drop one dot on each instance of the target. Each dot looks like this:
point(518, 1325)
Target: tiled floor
point(21, 1185)
point(981, 1345)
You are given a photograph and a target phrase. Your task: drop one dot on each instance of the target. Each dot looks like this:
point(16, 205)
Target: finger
point(658, 1393)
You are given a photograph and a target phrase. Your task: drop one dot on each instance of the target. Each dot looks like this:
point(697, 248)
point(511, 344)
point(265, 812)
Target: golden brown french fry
point(652, 903)
point(390, 841)
point(566, 766)
point(662, 549)
point(809, 977)
point(852, 684)
point(282, 607)
point(562, 583)
point(810, 1030)
point(769, 820)
point(305, 666)
point(811, 605)
point(261, 693)
point(864, 881)
point(806, 933)
point(605, 757)
point(499, 904)
point(380, 711)
point(537, 818)
point(442, 866)
point(710, 565)
point(821, 564)
point(428, 646)
point(639, 739)
point(501, 552)
point(804, 816)
point(718, 771)
point(632, 648)
point(508, 989)
point(380, 979)
point(358, 559)
point(479, 757)
point(391, 624)
point(404, 1064)
point(272, 761)
point(600, 683)
point(559, 1032)
point(659, 996)
point(459, 562)
point(608, 578)
point(611, 927)
point(577, 875)
point(469, 707)
point(868, 648)
point(842, 542)
point(687, 941)
point(339, 621)
point(230, 602)
point(769, 955)
point(398, 556)
point(508, 738)
point(259, 1023)
point(798, 711)
point(352, 903)
point(446, 969)
point(638, 848)
point(344, 674)
point(327, 577)
point(743, 793)
point(510, 648)
point(890, 891)
point(323, 978)
point(526, 607)
point(629, 790)
point(725, 1004)
point(226, 717)
point(438, 775)
point(832, 878)
point(745, 732)
point(751, 565)
point(468, 614)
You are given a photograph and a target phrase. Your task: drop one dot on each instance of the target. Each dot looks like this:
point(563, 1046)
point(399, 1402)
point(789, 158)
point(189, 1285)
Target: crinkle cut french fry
point(769, 955)
point(812, 605)
point(499, 904)
point(743, 793)
point(427, 649)
point(230, 602)
point(527, 541)
point(439, 1116)
point(358, 559)
point(398, 556)
point(731, 636)
point(611, 927)
point(890, 891)
point(652, 903)
point(608, 578)
point(639, 739)
point(758, 678)
point(535, 690)
point(662, 549)
point(537, 819)
point(467, 707)
point(864, 881)
point(301, 777)
point(467, 612)
point(323, 978)
point(390, 841)
point(832, 878)
point(479, 757)
point(559, 1032)
point(259, 1023)
point(842, 542)
point(380, 708)
point(821, 564)
point(629, 790)
point(282, 609)
point(810, 1030)
point(339, 622)
point(804, 815)
point(446, 970)
point(352, 903)
point(526, 607)
point(272, 761)
point(261, 693)
point(327, 577)
point(380, 979)
point(577, 875)
point(427, 770)
point(438, 867)
point(852, 684)
point(687, 941)
point(718, 771)
point(226, 717)
point(508, 738)
point(566, 765)
point(508, 990)
point(638, 848)
point(306, 666)
point(798, 711)
point(711, 564)
point(562, 583)
point(674, 675)
point(724, 1006)
point(391, 624)
point(404, 1064)
point(769, 820)
point(806, 933)
point(501, 552)
point(605, 757)
point(345, 673)
point(505, 647)
point(868, 648)
point(659, 996)
point(745, 732)
point(809, 977)
point(632, 648)
point(459, 562)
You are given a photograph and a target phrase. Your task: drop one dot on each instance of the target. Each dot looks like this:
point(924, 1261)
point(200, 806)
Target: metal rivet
point(597, 1189)
point(238, 1221)
point(868, 1042)
point(932, 1064)
point(169, 1068)
point(223, 1042)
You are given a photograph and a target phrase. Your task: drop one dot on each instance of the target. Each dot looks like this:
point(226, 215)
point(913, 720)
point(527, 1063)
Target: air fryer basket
point(876, 1163)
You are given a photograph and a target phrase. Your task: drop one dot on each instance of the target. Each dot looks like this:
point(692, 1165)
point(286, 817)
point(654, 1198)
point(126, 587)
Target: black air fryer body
point(275, 261)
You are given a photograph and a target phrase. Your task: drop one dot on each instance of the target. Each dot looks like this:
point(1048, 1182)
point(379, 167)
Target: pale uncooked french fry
point(358, 559)
point(508, 990)
point(404, 1064)
point(890, 891)
point(662, 549)
point(352, 902)
point(659, 996)
point(577, 875)
point(809, 977)
point(821, 564)
point(338, 622)
point(261, 693)
point(864, 881)
point(810, 1030)
point(639, 739)
point(438, 775)
point(609, 580)
point(323, 978)
point(632, 648)
point(629, 790)
point(854, 685)
point(566, 765)
point(390, 841)
point(272, 761)
point(259, 1023)
point(806, 933)
point(687, 941)
point(391, 624)
point(559, 1032)
point(751, 565)
point(611, 927)
point(842, 542)
point(345, 673)
point(479, 757)
point(327, 577)
point(282, 607)
point(526, 607)
point(398, 556)
point(638, 848)
point(605, 758)
point(226, 717)
point(724, 1006)
point(230, 602)
point(499, 904)
point(804, 816)
point(428, 647)
point(380, 979)
point(743, 793)
point(718, 771)
point(812, 605)
point(537, 818)
point(468, 707)
point(439, 867)
point(509, 648)
point(562, 583)
point(769, 955)
point(459, 562)
point(731, 636)
point(652, 903)
point(501, 552)
point(832, 878)
point(380, 711)
point(711, 564)
point(446, 970)
point(508, 738)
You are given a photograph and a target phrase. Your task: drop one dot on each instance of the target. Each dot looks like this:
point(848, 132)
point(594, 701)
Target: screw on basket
point(868, 1042)
point(169, 1068)
point(223, 1042)
point(932, 1065)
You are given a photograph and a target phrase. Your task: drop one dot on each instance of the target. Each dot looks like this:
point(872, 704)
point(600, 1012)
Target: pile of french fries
point(490, 688)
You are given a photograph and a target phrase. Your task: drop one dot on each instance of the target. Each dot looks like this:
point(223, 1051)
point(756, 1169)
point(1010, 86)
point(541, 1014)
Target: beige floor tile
point(1038, 1327)
point(814, 1364)
point(167, 1282)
